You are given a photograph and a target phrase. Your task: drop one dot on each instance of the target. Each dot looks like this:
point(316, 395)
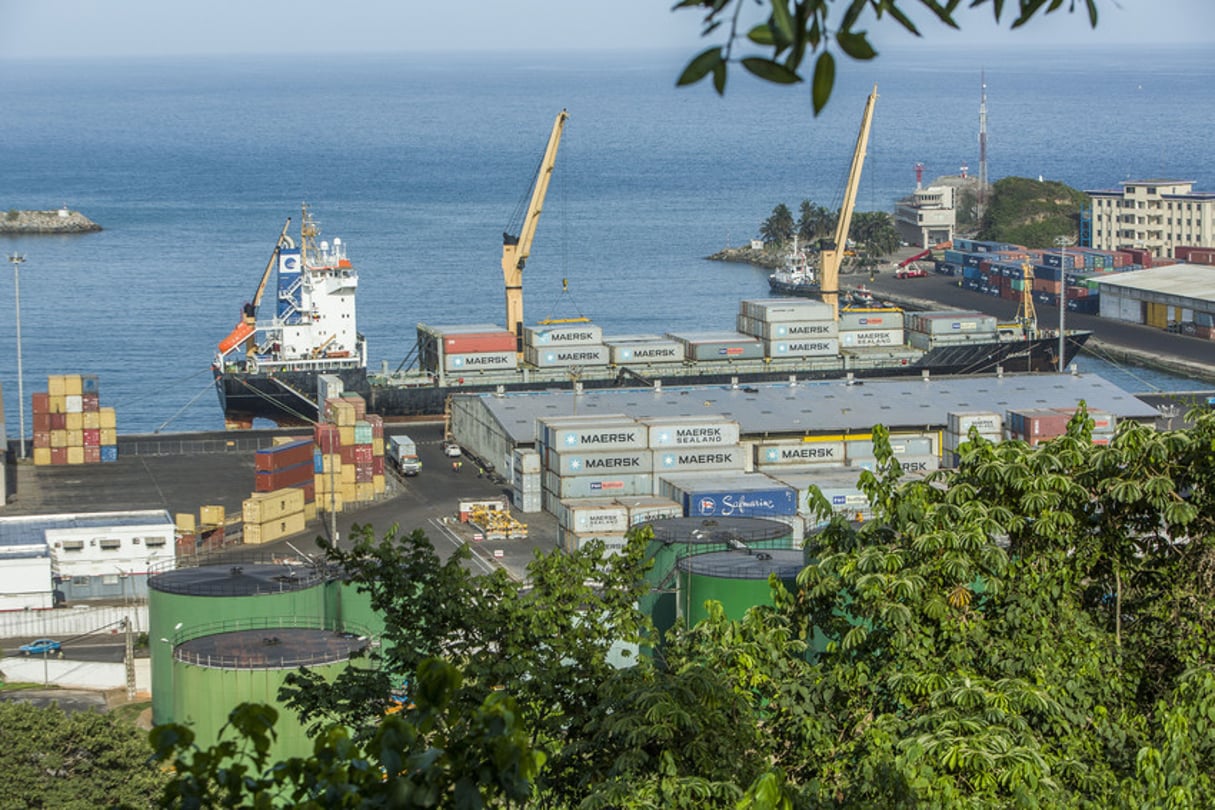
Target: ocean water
point(192, 166)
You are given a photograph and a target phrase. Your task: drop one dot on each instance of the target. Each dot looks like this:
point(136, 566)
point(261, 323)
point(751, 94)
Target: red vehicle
point(913, 270)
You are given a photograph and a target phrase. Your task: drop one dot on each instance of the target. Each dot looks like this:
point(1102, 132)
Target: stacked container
point(837, 484)
point(638, 350)
point(914, 453)
point(1039, 425)
point(776, 457)
point(988, 424)
point(270, 516)
point(949, 328)
point(694, 443)
point(348, 457)
point(591, 457)
point(466, 348)
point(718, 346)
point(567, 345)
point(881, 328)
point(70, 426)
point(790, 328)
point(526, 480)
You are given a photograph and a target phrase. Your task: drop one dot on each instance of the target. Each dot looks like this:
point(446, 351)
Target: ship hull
point(786, 288)
point(278, 397)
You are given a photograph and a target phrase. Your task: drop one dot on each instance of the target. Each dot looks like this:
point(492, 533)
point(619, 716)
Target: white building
point(1181, 295)
point(928, 216)
point(1157, 215)
point(26, 573)
point(100, 555)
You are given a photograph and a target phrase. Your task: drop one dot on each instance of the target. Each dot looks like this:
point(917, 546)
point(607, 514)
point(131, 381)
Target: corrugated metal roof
point(1195, 281)
point(826, 406)
point(32, 529)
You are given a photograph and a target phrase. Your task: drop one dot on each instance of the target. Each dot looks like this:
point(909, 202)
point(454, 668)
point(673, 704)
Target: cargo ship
point(279, 365)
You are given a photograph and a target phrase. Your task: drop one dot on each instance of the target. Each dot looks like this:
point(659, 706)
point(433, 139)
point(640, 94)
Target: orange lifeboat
point(239, 335)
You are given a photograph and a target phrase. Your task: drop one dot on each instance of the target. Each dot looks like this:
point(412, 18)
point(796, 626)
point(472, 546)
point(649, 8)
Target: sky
point(59, 29)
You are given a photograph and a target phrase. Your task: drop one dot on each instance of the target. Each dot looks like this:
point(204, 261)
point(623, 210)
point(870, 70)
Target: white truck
point(403, 452)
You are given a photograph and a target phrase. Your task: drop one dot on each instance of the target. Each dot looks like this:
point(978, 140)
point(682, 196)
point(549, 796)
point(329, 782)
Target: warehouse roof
point(31, 529)
point(827, 406)
point(1183, 280)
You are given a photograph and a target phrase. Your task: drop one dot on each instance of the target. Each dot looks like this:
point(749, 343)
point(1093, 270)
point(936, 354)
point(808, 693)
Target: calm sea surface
point(417, 164)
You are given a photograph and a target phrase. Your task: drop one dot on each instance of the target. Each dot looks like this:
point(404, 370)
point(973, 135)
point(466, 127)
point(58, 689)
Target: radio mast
point(982, 196)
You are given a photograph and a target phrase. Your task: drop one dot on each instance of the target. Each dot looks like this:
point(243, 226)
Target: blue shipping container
point(745, 503)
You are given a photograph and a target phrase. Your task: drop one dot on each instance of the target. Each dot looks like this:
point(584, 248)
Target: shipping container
point(690, 431)
point(598, 462)
point(798, 453)
point(566, 355)
point(656, 350)
point(601, 432)
point(872, 337)
point(726, 494)
point(731, 457)
point(990, 422)
point(789, 330)
point(285, 455)
point(803, 347)
point(482, 361)
point(592, 515)
point(709, 346)
point(907, 463)
point(598, 486)
point(643, 508)
point(785, 310)
point(580, 334)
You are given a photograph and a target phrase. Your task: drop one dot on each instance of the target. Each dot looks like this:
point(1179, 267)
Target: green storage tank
point(211, 674)
point(737, 579)
point(677, 538)
point(190, 602)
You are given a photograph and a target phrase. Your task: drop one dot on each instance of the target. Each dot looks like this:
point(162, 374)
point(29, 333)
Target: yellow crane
point(831, 258)
point(517, 247)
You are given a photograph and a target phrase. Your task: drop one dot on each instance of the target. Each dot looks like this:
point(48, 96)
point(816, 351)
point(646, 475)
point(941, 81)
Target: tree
point(80, 760)
point(874, 232)
point(814, 222)
point(778, 228)
point(795, 30)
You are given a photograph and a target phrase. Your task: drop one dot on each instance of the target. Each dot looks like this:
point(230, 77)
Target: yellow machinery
point(517, 247)
point(830, 259)
point(497, 524)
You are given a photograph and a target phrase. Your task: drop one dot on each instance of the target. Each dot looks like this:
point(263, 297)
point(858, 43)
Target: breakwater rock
point(771, 259)
point(40, 222)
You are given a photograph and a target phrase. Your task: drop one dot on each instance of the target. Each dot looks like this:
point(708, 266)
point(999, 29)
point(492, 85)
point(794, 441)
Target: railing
point(294, 578)
point(356, 636)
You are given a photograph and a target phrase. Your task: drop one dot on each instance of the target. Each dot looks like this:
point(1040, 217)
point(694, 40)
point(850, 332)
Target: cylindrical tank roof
point(717, 530)
point(785, 563)
point(271, 648)
point(237, 580)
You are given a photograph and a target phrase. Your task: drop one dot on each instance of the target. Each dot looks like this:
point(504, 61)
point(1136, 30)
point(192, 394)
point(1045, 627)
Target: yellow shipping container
point(309, 512)
point(74, 420)
point(365, 492)
point(75, 455)
point(59, 438)
point(331, 462)
point(349, 492)
point(42, 456)
point(109, 419)
point(332, 502)
point(347, 475)
point(265, 506)
point(341, 413)
point(346, 435)
point(320, 482)
point(377, 445)
point(279, 441)
point(1157, 315)
point(184, 521)
point(211, 515)
point(56, 403)
point(380, 483)
point(90, 420)
point(72, 385)
point(271, 530)
point(109, 436)
point(75, 438)
point(55, 387)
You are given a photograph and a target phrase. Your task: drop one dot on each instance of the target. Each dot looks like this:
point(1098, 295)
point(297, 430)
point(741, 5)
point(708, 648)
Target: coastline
point(18, 222)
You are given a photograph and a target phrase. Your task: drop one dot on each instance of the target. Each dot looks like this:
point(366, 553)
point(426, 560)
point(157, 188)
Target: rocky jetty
point(772, 259)
point(43, 222)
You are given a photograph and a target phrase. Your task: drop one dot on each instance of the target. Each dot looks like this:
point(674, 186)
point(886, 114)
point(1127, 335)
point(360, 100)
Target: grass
point(129, 712)
point(16, 686)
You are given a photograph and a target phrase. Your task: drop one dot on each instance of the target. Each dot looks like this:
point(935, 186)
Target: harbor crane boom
point(517, 247)
point(831, 258)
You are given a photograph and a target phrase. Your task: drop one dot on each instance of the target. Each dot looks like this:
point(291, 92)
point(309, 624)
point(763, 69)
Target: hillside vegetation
point(1031, 212)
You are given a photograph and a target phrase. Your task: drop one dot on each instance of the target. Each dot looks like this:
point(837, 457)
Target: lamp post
point(1062, 242)
point(17, 259)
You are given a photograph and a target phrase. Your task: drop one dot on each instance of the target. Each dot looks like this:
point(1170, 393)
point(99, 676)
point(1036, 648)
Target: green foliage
point(1031, 212)
point(81, 760)
point(778, 228)
point(814, 222)
point(791, 33)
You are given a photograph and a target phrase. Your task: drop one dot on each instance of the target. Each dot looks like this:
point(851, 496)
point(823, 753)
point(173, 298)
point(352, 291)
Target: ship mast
point(832, 257)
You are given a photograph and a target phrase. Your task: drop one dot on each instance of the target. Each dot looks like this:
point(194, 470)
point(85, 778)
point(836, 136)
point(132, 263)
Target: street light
point(17, 259)
point(1062, 242)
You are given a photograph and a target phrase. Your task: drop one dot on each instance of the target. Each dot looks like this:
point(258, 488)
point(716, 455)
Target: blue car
point(41, 646)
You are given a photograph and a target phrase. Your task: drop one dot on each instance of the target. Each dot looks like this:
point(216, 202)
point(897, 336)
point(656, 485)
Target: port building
point(1156, 214)
point(928, 216)
point(1177, 296)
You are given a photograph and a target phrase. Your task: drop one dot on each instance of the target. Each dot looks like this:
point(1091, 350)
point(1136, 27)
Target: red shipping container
point(363, 475)
point(42, 421)
point(42, 438)
point(377, 465)
point(377, 425)
point(41, 402)
point(92, 454)
point(347, 454)
point(309, 491)
point(479, 342)
point(327, 438)
point(59, 455)
point(92, 438)
point(288, 477)
point(187, 544)
point(58, 421)
point(362, 454)
point(90, 403)
point(360, 405)
point(283, 456)
point(1047, 286)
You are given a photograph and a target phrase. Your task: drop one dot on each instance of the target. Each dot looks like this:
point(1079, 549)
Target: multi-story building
point(927, 217)
point(1158, 215)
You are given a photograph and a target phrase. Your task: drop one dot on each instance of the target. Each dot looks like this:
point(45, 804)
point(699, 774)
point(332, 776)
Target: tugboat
point(796, 276)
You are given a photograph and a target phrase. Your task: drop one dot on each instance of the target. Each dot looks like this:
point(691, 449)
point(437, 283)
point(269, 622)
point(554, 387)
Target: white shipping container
point(480, 361)
point(527, 502)
point(573, 541)
point(643, 509)
point(608, 432)
point(775, 454)
point(580, 334)
point(592, 515)
point(690, 431)
point(779, 310)
point(700, 458)
point(599, 462)
point(960, 422)
point(872, 337)
point(809, 347)
point(908, 463)
point(899, 445)
point(526, 460)
point(870, 320)
point(787, 331)
point(950, 441)
point(561, 356)
point(595, 486)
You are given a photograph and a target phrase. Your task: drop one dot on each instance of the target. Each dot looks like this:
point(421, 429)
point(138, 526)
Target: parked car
point(451, 449)
point(41, 646)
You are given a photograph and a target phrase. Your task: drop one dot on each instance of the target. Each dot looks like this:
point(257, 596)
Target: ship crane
point(517, 247)
point(247, 326)
point(831, 258)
